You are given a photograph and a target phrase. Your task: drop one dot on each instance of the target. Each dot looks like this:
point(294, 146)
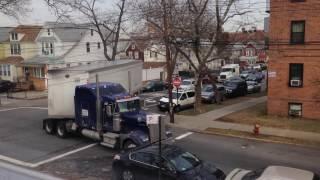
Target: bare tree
point(107, 24)
point(200, 33)
point(14, 8)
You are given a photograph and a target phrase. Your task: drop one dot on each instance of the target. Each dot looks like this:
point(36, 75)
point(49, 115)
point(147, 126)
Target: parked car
point(245, 73)
point(154, 85)
point(272, 172)
point(187, 84)
point(176, 164)
point(235, 87)
point(253, 87)
point(208, 93)
point(181, 100)
point(5, 86)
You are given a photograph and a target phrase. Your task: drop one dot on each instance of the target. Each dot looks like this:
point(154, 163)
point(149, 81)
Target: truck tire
point(129, 144)
point(49, 126)
point(62, 130)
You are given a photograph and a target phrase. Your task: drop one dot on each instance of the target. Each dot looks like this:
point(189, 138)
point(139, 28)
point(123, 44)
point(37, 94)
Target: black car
point(154, 85)
point(6, 86)
point(208, 93)
point(144, 164)
point(235, 87)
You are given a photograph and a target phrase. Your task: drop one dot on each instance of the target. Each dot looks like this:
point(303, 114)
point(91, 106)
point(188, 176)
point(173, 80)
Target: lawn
point(206, 107)
point(258, 115)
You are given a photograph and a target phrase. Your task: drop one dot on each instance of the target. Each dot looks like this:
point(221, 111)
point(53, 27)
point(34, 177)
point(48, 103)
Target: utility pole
point(98, 106)
point(168, 58)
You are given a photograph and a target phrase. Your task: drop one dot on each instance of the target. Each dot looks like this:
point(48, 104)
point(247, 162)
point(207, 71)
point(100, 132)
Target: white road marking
point(64, 155)
point(34, 165)
point(11, 109)
point(183, 135)
point(150, 100)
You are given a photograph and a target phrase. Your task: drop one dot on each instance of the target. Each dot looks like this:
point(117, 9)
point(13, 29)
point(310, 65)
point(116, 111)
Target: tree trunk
point(198, 101)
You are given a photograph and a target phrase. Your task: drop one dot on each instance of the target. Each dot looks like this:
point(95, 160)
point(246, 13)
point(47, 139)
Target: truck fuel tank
point(91, 134)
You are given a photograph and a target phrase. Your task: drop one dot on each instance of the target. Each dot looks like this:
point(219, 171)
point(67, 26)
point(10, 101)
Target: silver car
point(272, 173)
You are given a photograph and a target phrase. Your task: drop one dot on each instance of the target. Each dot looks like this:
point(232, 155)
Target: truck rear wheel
point(49, 126)
point(62, 130)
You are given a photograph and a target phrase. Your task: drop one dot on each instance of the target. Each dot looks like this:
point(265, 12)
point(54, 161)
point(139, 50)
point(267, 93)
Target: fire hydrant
point(256, 129)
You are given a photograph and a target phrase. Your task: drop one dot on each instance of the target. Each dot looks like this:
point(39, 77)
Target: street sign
point(177, 82)
point(152, 119)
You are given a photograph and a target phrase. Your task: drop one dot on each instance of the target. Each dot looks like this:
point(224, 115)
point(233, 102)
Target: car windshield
point(186, 82)
point(227, 69)
point(128, 106)
point(207, 89)
point(251, 83)
point(230, 84)
point(183, 161)
point(245, 72)
point(150, 83)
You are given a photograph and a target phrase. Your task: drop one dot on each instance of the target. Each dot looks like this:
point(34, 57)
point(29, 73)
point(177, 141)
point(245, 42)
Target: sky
point(40, 13)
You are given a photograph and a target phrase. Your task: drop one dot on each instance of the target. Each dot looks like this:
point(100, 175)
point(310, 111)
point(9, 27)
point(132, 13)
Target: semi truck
point(103, 111)
point(228, 71)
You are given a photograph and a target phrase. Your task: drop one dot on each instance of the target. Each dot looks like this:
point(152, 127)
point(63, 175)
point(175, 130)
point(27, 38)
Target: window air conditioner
point(295, 113)
point(295, 83)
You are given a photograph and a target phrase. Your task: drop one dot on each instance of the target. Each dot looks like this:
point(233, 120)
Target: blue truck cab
point(114, 117)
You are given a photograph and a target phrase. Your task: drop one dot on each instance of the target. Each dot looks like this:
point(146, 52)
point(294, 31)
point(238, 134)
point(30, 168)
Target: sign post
point(177, 84)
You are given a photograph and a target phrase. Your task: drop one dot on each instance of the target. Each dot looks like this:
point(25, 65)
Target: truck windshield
point(227, 70)
point(129, 106)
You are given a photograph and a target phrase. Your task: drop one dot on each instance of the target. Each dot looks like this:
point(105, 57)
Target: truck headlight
point(145, 139)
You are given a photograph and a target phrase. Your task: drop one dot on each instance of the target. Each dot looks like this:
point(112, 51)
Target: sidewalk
point(207, 120)
point(27, 95)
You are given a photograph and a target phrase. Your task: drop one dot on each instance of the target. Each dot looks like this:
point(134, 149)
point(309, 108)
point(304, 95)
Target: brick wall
point(281, 54)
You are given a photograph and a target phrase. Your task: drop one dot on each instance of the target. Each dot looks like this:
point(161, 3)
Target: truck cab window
point(109, 110)
point(128, 106)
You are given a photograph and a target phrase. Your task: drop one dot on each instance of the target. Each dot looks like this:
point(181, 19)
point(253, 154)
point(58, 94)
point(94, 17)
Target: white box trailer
point(62, 82)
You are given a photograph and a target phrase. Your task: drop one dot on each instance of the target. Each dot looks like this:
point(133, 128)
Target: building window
point(8, 70)
point(295, 109)
point(130, 54)
point(88, 47)
point(136, 54)
point(91, 32)
point(15, 49)
point(295, 75)
point(14, 36)
point(49, 32)
point(0, 70)
point(38, 72)
point(297, 32)
point(99, 46)
point(47, 48)
point(133, 47)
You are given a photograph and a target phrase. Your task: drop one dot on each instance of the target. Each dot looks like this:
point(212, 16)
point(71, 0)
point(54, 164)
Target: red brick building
point(294, 58)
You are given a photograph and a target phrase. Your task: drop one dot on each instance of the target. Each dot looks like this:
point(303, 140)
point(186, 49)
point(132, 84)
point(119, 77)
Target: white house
point(63, 45)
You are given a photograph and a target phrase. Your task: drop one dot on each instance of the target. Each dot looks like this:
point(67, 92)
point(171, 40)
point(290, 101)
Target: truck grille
point(223, 77)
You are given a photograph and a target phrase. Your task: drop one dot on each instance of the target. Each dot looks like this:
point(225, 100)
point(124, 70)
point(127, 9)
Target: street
point(79, 158)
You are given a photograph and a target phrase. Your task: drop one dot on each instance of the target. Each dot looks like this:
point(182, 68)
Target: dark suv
point(6, 86)
point(235, 87)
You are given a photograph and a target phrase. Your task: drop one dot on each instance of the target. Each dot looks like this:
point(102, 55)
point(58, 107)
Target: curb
point(248, 138)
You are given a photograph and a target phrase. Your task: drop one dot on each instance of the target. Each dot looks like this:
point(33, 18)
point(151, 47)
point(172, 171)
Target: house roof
point(16, 60)
point(151, 65)
point(142, 42)
point(30, 32)
point(68, 32)
point(245, 37)
point(4, 34)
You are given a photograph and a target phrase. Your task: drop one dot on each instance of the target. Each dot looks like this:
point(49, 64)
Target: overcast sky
point(40, 13)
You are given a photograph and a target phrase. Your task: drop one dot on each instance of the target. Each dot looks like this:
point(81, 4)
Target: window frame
point(88, 47)
point(291, 74)
point(99, 45)
point(296, 104)
point(292, 42)
point(15, 48)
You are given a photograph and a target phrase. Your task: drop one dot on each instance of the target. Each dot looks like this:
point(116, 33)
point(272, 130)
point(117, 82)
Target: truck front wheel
point(49, 126)
point(62, 130)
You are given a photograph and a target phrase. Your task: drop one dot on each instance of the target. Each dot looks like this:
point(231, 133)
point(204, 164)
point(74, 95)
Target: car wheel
point(127, 175)
point(49, 126)
point(62, 130)
point(177, 108)
point(129, 144)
